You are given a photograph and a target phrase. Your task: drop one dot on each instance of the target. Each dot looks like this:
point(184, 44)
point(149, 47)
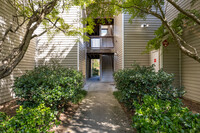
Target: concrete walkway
point(99, 112)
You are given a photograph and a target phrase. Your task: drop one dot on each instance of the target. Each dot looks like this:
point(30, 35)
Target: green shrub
point(164, 116)
point(28, 120)
point(118, 95)
point(95, 72)
point(53, 86)
point(138, 81)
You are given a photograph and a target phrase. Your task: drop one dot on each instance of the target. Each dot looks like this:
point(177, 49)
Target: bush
point(95, 72)
point(52, 86)
point(118, 95)
point(157, 115)
point(136, 82)
point(32, 120)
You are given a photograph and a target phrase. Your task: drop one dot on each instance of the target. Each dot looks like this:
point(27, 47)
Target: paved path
point(99, 112)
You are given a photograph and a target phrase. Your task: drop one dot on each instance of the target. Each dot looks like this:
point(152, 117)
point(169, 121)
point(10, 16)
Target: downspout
point(79, 39)
point(122, 41)
point(161, 57)
point(180, 68)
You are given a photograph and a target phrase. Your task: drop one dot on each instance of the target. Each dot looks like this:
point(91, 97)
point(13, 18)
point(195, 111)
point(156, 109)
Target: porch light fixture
point(144, 25)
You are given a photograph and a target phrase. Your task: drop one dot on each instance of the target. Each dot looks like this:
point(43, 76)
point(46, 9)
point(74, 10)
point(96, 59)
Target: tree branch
point(56, 25)
point(177, 39)
point(160, 8)
point(190, 15)
point(13, 59)
point(46, 30)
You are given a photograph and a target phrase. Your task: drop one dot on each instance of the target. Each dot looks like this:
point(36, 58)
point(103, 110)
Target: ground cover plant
point(164, 116)
point(43, 94)
point(33, 120)
point(155, 101)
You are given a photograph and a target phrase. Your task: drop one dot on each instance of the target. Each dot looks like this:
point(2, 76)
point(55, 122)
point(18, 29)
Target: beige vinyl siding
point(13, 40)
point(136, 38)
point(171, 62)
point(190, 69)
point(118, 42)
point(62, 50)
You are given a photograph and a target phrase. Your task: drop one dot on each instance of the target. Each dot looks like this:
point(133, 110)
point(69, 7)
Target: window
point(95, 42)
point(104, 32)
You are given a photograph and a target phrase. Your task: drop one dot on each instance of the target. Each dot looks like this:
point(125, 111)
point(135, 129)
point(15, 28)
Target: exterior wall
point(136, 38)
point(190, 69)
point(118, 42)
point(107, 68)
point(171, 62)
point(82, 49)
point(82, 58)
point(88, 68)
point(12, 40)
point(62, 50)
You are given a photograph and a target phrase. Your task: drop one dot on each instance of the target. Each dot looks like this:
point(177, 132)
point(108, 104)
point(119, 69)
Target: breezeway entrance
point(100, 66)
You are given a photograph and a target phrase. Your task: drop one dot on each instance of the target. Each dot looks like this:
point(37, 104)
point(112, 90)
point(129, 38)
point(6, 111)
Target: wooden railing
point(106, 45)
point(105, 42)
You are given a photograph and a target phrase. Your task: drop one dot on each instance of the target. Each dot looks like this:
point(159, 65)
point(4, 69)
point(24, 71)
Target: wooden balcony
point(101, 44)
point(100, 50)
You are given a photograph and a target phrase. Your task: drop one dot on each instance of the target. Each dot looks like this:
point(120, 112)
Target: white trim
point(79, 39)
point(122, 40)
point(101, 72)
point(161, 56)
point(180, 68)
point(78, 56)
point(36, 52)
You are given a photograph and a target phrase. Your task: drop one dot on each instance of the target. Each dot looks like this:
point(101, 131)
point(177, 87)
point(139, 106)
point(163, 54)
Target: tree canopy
point(33, 13)
point(170, 30)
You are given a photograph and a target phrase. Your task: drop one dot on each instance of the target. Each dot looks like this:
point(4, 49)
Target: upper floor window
point(95, 42)
point(104, 32)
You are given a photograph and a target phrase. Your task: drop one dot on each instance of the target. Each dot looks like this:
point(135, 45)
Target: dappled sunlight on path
point(99, 113)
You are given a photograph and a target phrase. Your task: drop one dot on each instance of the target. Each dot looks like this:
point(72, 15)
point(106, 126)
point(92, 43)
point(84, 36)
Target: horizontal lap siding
point(62, 50)
point(171, 62)
point(136, 39)
point(13, 40)
point(190, 69)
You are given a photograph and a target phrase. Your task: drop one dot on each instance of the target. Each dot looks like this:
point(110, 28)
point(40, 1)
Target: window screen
point(95, 42)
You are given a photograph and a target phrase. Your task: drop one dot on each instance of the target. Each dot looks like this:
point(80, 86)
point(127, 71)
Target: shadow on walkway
point(99, 112)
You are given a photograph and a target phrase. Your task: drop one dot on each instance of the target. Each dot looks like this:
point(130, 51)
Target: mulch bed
point(9, 107)
point(193, 106)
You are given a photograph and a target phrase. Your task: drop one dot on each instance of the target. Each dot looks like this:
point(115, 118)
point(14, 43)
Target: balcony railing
point(101, 44)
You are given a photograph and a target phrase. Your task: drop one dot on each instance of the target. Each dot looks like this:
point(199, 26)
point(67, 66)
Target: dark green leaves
point(53, 86)
point(156, 115)
point(29, 120)
point(138, 81)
